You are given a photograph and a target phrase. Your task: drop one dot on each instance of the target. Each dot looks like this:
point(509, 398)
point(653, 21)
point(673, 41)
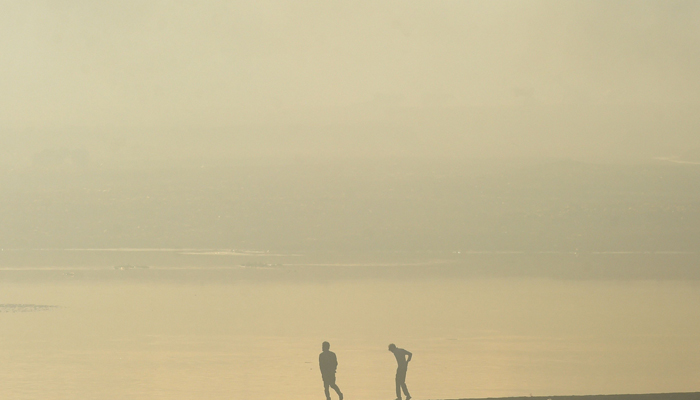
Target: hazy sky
point(186, 76)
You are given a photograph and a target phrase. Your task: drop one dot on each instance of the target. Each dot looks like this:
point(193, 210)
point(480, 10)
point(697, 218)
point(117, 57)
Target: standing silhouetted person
point(328, 362)
point(402, 358)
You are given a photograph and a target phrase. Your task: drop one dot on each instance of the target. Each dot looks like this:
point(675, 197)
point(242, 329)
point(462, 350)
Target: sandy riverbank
point(649, 396)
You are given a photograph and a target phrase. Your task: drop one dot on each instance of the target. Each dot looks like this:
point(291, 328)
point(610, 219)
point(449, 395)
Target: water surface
point(215, 334)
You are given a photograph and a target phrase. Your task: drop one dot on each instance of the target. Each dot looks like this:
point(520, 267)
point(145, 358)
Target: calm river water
point(203, 334)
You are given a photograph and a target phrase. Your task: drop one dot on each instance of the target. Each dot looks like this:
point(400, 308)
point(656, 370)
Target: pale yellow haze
point(587, 79)
point(194, 195)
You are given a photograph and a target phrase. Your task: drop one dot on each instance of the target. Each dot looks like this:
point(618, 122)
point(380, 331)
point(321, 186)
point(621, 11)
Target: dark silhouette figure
point(328, 363)
point(402, 358)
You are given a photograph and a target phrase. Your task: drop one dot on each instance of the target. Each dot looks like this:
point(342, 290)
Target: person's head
point(392, 347)
point(325, 346)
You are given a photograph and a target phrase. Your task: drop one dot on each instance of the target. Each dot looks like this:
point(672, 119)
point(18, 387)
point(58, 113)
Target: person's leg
point(325, 389)
point(399, 381)
point(405, 390)
point(337, 390)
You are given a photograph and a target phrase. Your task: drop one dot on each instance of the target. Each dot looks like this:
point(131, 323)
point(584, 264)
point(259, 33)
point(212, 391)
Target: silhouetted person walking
point(402, 358)
point(328, 363)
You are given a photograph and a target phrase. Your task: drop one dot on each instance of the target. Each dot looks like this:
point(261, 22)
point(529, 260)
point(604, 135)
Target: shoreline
point(644, 396)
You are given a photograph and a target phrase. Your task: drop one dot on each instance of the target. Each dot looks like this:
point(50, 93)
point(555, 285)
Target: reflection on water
point(473, 337)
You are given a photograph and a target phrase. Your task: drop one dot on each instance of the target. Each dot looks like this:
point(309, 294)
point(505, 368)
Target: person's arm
point(410, 355)
point(335, 362)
